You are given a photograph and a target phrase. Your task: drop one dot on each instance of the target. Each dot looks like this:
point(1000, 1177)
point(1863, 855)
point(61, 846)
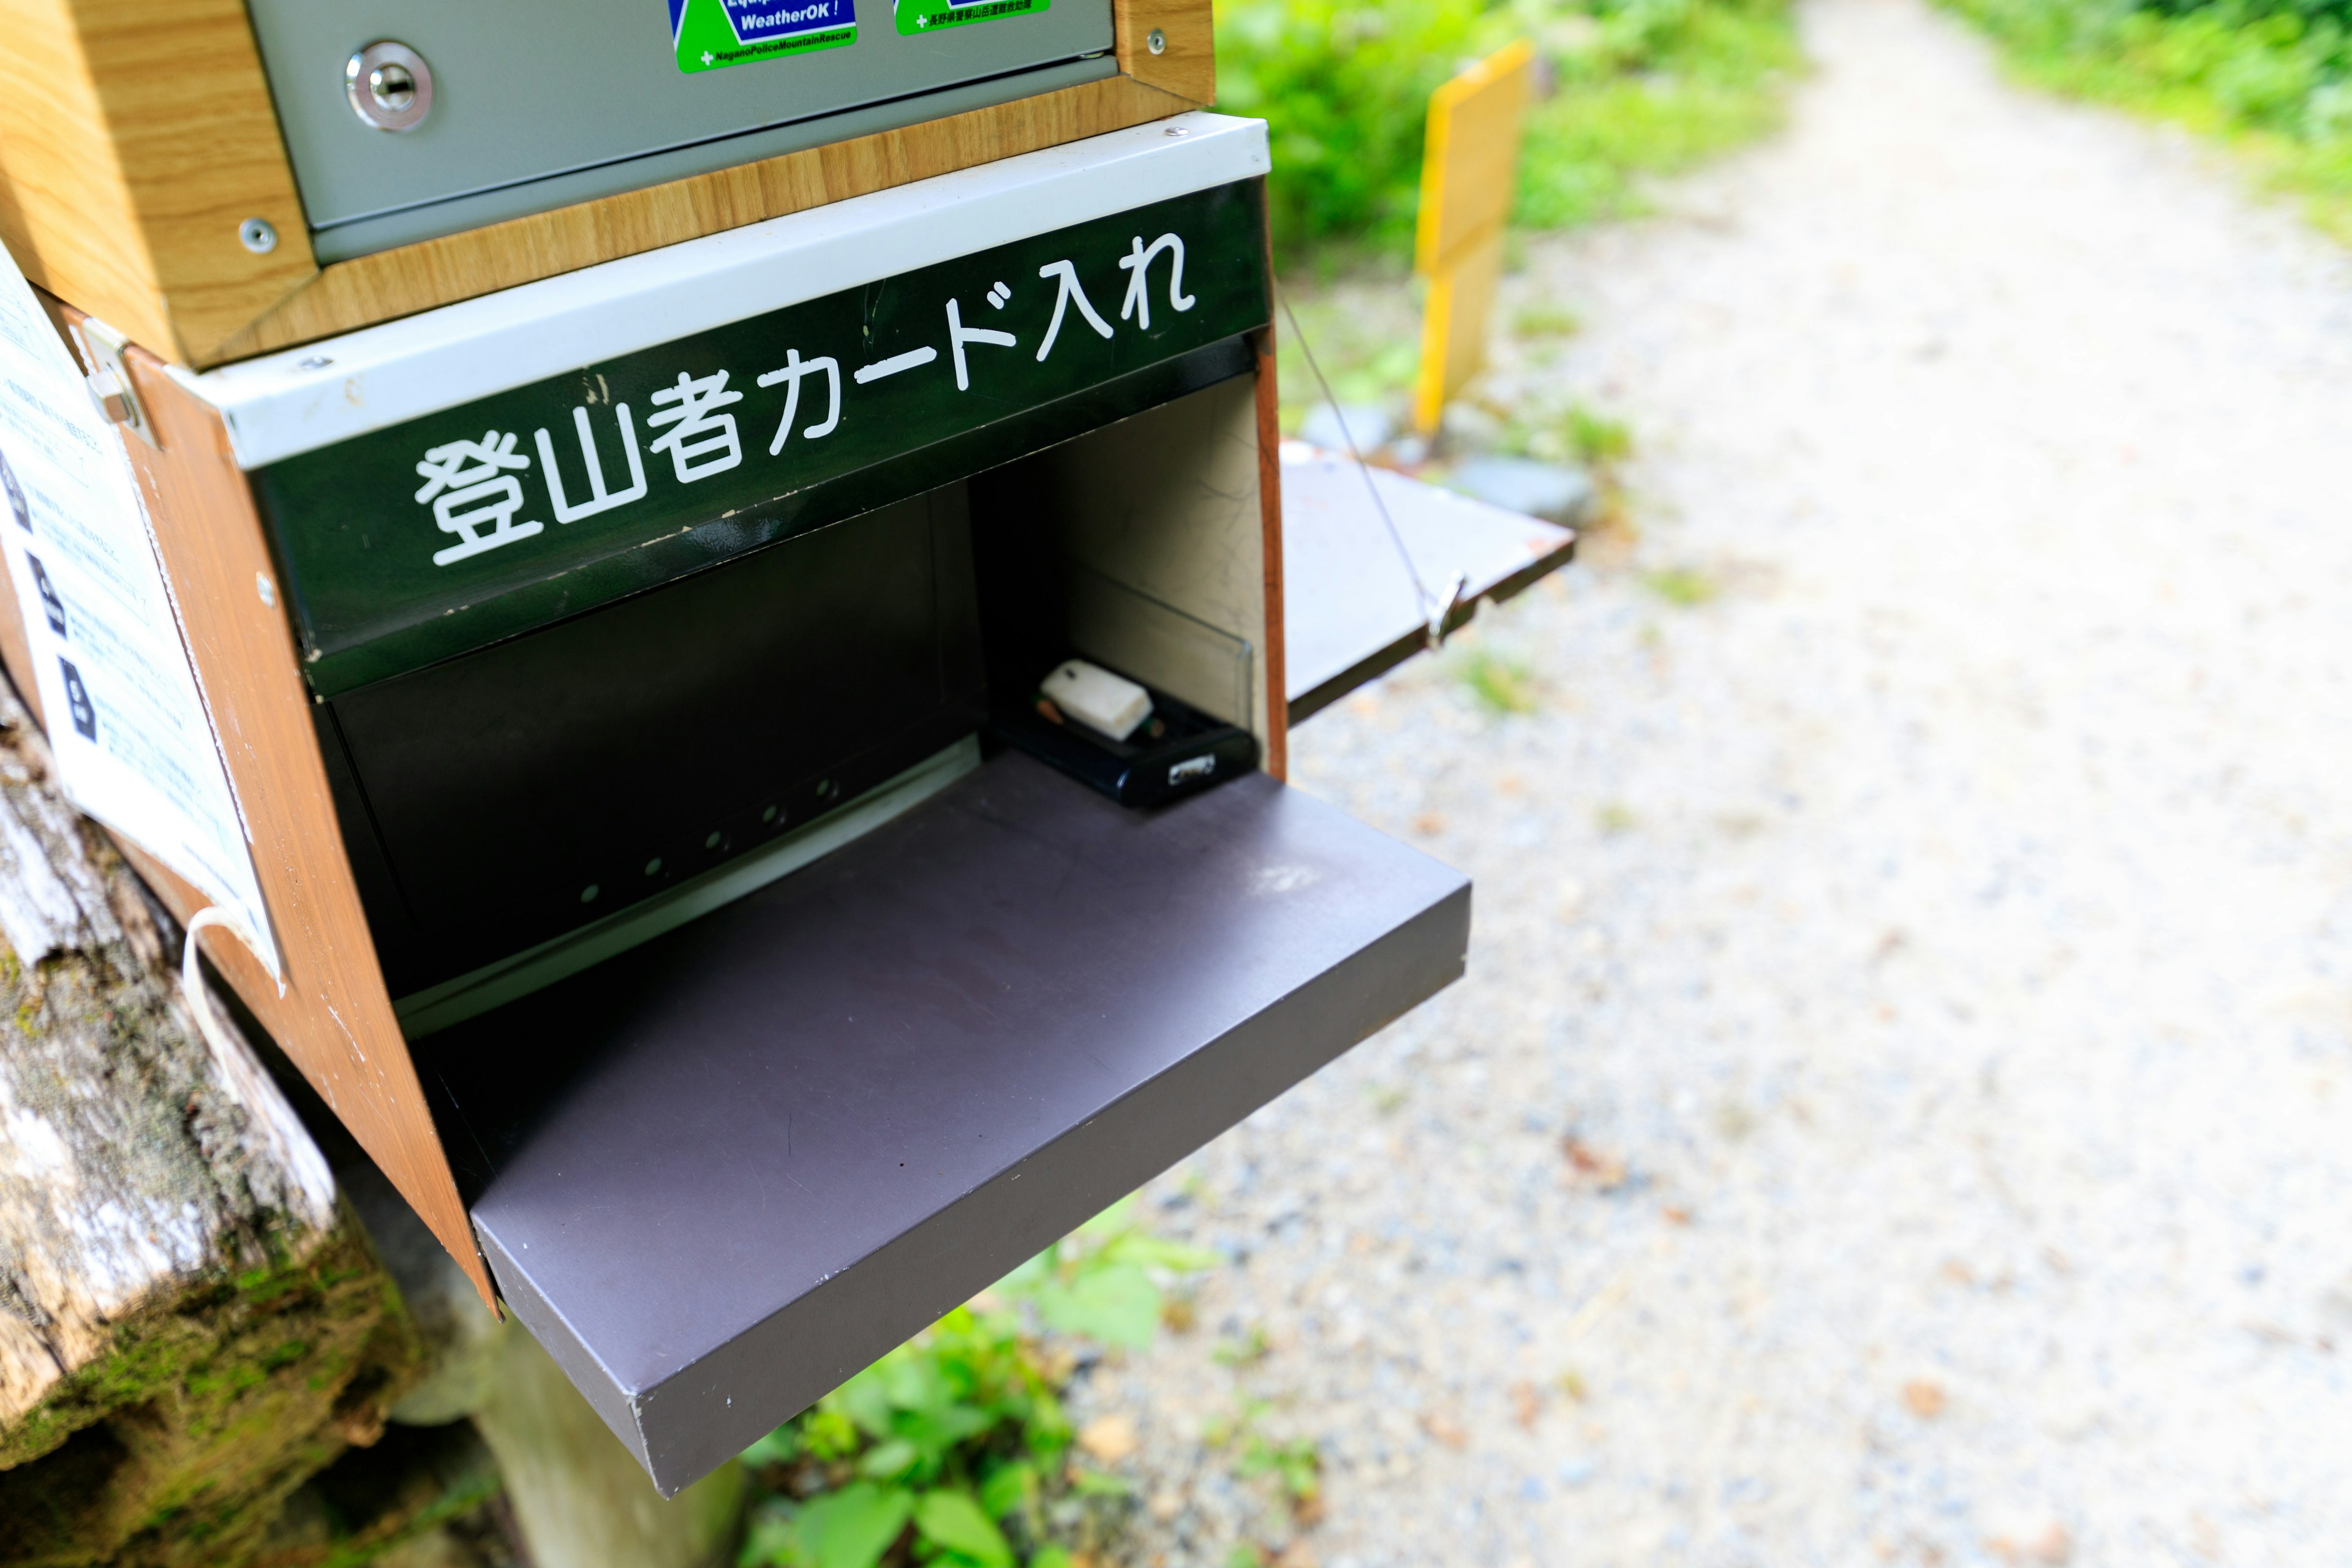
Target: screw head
point(1156, 42)
point(388, 85)
point(257, 235)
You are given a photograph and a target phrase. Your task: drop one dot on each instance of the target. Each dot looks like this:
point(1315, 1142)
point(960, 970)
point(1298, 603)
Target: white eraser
point(1097, 699)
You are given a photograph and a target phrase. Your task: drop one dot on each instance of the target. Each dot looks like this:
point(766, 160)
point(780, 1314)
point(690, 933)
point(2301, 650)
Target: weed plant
point(1632, 87)
point(1684, 588)
point(953, 1449)
point(1502, 686)
point(2271, 76)
point(1597, 440)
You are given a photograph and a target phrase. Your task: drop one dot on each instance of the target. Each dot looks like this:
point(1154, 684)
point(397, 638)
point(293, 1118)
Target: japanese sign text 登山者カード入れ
point(503, 512)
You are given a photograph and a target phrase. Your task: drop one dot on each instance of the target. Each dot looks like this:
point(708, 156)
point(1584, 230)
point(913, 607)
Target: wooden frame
point(1269, 503)
point(334, 1018)
point(133, 143)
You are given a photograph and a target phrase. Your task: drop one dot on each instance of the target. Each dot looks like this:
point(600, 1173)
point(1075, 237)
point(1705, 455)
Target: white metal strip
point(327, 392)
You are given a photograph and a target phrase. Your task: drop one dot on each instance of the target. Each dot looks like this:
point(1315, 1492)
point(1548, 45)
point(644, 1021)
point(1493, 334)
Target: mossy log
point(192, 1323)
point(200, 1339)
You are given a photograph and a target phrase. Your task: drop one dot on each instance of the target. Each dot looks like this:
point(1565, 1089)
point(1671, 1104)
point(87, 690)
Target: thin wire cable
point(1422, 595)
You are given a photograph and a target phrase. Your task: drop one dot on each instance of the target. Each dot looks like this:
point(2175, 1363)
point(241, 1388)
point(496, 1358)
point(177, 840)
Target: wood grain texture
point(433, 272)
point(1269, 507)
point(333, 1019)
point(1187, 66)
point(66, 213)
point(134, 139)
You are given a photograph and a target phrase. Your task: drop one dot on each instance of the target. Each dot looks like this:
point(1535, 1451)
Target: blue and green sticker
point(929, 16)
point(711, 34)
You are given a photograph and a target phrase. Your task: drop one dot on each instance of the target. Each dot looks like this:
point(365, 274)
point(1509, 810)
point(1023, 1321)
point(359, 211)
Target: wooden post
point(578, 1498)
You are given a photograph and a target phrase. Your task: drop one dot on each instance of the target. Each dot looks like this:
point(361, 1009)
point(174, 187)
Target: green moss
point(372, 1499)
point(181, 1444)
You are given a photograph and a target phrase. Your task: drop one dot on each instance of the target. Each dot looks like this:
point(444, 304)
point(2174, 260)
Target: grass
point(1597, 440)
point(1660, 88)
point(1630, 88)
point(1684, 588)
point(1502, 686)
point(1545, 319)
point(1370, 354)
point(2272, 81)
point(1637, 88)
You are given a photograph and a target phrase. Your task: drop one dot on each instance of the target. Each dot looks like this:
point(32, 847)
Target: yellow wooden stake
point(1468, 174)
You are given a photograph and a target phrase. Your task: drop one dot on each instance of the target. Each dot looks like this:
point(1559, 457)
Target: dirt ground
point(1897, 1109)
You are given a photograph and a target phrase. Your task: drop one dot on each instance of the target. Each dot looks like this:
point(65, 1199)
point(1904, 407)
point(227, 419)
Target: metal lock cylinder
point(390, 85)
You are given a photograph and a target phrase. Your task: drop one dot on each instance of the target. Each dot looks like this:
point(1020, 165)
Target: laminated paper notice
point(134, 746)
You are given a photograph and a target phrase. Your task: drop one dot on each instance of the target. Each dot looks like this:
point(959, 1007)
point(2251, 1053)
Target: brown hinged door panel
point(719, 1175)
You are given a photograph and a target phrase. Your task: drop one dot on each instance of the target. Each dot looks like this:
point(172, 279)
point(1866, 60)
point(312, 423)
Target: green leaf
point(778, 1447)
point(1008, 1488)
point(1026, 1279)
point(1119, 1305)
point(829, 1434)
point(1047, 1430)
point(889, 1461)
point(853, 1527)
point(865, 1398)
point(1112, 1222)
point(953, 1521)
point(1100, 1483)
point(941, 1428)
point(769, 1542)
point(1049, 1557)
point(1153, 1252)
point(916, 1383)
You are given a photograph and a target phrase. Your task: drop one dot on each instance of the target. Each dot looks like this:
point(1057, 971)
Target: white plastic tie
point(192, 978)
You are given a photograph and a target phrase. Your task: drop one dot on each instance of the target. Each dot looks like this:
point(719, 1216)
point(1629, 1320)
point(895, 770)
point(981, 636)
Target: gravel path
point(1896, 1111)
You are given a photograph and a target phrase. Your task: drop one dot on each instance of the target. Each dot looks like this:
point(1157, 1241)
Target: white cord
point(191, 979)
